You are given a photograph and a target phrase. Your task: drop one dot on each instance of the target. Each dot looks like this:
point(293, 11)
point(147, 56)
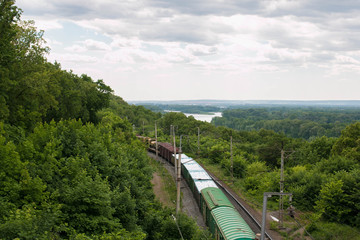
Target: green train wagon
point(227, 224)
point(211, 198)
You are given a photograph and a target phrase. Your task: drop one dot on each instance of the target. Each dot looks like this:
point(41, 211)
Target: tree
point(349, 142)
point(9, 15)
point(332, 201)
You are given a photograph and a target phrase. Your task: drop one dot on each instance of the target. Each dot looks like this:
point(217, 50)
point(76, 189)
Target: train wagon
point(191, 166)
point(166, 150)
point(197, 178)
point(227, 224)
point(224, 222)
point(184, 158)
point(211, 198)
point(201, 181)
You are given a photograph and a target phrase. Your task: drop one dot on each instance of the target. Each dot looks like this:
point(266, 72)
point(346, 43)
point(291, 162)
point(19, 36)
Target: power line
point(303, 228)
point(177, 225)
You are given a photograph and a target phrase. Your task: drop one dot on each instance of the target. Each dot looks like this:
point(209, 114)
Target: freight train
point(223, 220)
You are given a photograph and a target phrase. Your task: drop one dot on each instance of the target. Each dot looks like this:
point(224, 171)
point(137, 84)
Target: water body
point(200, 117)
point(204, 117)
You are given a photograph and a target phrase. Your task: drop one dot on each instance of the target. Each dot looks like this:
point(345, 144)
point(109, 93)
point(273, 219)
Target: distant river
point(204, 117)
point(201, 117)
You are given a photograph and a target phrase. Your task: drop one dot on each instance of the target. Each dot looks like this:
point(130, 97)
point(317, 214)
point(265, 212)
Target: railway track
point(247, 215)
point(254, 224)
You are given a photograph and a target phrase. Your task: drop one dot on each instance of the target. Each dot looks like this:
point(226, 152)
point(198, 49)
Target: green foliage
point(139, 117)
point(31, 89)
point(63, 177)
point(310, 166)
point(70, 180)
point(293, 122)
point(332, 231)
point(336, 163)
point(338, 198)
point(348, 144)
point(32, 223)
point(270, 148)
point(87, 204)
point(239, 165)
point(311, 152)
point(331, 200)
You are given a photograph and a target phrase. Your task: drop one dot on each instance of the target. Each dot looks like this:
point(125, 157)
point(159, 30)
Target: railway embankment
point(188, 203)
point(190, 207)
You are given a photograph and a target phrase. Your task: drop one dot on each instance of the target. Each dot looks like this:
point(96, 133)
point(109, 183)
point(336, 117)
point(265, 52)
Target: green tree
point(349, 142)
point(9, 15)
point(332, 201)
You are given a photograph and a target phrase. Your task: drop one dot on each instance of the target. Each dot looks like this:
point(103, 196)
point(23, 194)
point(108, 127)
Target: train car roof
point(168, 146)
point(231, 224)
point(187, 160)
point(214, 197)
point(203, 184)
point(184, 158)
point(194, 168)
point(183, 155)
point(199, 175)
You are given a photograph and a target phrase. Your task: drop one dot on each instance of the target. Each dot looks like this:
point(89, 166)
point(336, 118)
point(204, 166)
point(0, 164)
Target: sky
point(207, 49)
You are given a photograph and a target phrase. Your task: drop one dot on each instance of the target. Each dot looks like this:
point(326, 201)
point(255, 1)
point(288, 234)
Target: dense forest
point(296, 122)
point(71, 166)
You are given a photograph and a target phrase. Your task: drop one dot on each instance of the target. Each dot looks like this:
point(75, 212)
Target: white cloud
point(47, 25)
point(76, 48)
point(214, 38)
point(96, 45)
point(74, 58)
point(346, 59)
point(123, 42)
point(89, 45)
point(275, 5)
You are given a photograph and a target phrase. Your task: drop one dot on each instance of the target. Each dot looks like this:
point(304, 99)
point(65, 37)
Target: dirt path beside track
point(158, 188)
point(188, 203)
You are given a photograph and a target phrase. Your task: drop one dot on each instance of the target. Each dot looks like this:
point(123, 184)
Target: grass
point(169, 186)
point(332, 231)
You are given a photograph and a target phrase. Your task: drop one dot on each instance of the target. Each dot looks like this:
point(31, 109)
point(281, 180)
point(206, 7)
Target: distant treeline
point(293, 121)
point(199, 109)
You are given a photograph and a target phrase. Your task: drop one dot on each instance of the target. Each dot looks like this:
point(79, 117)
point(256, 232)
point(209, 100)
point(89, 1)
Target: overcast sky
point(207, 49)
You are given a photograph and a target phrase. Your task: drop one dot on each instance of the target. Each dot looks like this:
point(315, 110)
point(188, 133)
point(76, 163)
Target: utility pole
point(266, 196)
point(180, 142)
point(198, 141)
point(171, 126)
point(156, 141)
point(174, 144)
point(232, 162)
point(143, 129)
point(178, 180)
point(281, 200)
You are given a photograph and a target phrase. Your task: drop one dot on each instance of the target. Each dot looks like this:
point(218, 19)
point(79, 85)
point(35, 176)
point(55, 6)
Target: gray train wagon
point(189, 166)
